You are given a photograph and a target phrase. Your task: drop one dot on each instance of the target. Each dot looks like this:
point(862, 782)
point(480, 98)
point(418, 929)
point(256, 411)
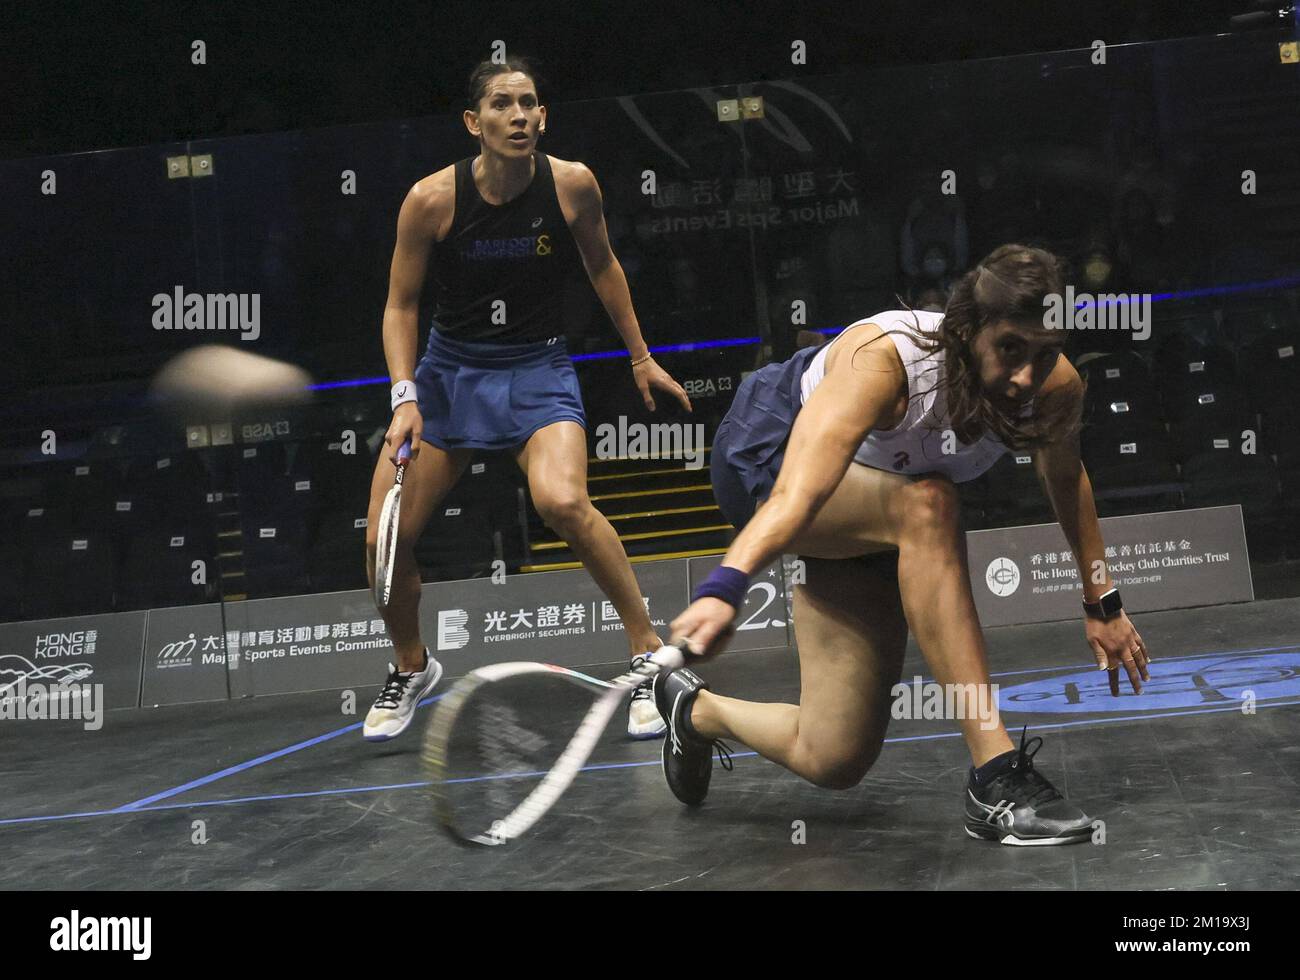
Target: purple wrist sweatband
point(725, 583)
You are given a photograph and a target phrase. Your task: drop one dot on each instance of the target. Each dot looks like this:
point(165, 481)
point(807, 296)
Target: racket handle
point(404, 452)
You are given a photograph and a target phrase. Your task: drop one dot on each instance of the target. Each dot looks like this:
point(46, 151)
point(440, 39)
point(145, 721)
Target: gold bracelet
point(641, 360)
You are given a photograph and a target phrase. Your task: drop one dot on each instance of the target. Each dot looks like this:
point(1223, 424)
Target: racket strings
point(506, 738)
point(505, 743)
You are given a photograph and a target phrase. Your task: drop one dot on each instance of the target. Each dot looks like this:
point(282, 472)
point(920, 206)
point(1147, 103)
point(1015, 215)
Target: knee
point(932, 502)
point(402, 547)
point(562, 509)
point(841, 770)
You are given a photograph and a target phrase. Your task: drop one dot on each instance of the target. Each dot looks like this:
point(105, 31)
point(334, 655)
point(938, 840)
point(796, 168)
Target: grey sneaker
point(394, 709)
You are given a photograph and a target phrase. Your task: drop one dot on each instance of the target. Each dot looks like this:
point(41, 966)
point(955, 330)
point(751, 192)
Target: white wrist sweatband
point(403, 391)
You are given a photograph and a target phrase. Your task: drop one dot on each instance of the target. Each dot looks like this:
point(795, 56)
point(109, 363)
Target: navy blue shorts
point(494, 396)
point(744, 467)
point(749, 446)
point(729, 490)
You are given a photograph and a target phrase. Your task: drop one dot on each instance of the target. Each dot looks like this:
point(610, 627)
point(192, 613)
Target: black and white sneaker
point(394, 709)
point(1018, 805)
point(687, 755)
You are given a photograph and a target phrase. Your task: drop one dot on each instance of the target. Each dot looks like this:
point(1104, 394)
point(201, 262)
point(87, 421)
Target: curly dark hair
point(1010, 283)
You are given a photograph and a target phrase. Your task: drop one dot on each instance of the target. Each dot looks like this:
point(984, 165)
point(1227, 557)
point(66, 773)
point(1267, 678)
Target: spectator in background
point(934, 239)
point(1143, 246)
point(1004, 203)
point(1095, 260)
point(931, 298)
point(860, 256)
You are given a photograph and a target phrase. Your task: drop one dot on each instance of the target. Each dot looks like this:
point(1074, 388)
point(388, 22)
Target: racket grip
point(404, 451)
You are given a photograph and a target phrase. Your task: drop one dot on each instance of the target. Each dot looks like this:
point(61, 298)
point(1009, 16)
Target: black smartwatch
point(1106, 605)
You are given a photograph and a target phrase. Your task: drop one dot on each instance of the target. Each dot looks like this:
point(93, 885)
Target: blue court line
point(1159, 660)
point(1101, 721)
point(1284, 282)
point(593, 356)
point(352, 383)
point(232, 770)
point(672, 348)
point(347, 791)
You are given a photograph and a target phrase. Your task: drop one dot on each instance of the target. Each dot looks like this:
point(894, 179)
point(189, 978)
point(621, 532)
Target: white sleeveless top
point(915, 445)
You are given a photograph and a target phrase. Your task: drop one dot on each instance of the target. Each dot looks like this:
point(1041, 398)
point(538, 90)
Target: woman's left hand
point(649, 375)
point(1116, 642)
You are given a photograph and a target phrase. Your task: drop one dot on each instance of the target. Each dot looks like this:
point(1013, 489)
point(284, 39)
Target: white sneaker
point(394, 709)
point(643, 717)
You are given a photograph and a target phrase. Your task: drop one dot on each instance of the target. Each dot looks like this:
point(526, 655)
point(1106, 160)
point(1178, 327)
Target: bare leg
point(874, 510)
point(555, 461)
point(429, 476)
point(851, 637)
point(936, 590)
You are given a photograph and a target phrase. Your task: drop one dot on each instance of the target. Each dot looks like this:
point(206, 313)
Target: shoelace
point(393, 690)
point(724, 754)
point(1043, 790)
point(719, 746)
point(643, 690)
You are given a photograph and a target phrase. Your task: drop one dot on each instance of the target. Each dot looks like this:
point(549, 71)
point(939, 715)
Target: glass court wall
point(781, 211)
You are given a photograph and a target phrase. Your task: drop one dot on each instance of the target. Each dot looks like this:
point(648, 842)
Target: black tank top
point(519, 252)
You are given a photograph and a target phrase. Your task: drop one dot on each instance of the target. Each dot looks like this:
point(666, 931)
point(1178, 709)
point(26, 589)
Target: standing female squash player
point(504, 229)
point(849, 455)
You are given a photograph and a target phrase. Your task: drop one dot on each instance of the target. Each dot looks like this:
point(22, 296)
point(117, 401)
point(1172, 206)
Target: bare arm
point(1115, 642)
point(416, 226)
point(858, 391)
point(1066, 485)
point(607, 277)
point(610, 283)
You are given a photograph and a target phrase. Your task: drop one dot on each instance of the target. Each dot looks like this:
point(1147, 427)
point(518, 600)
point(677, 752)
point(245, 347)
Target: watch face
point(1105, 606)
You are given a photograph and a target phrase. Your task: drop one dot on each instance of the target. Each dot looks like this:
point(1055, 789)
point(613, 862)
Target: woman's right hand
point(707, 624)
point(407, 424)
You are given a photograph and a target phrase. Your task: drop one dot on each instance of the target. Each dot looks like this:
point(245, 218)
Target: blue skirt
point(494, 396)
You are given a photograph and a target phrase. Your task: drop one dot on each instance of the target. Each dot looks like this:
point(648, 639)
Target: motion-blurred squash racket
point(504, 727)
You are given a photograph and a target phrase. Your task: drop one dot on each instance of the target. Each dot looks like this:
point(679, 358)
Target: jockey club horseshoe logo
point(1002, 576)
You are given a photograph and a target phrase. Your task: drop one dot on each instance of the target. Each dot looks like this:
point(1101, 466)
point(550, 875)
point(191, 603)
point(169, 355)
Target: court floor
point(1194, 791)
